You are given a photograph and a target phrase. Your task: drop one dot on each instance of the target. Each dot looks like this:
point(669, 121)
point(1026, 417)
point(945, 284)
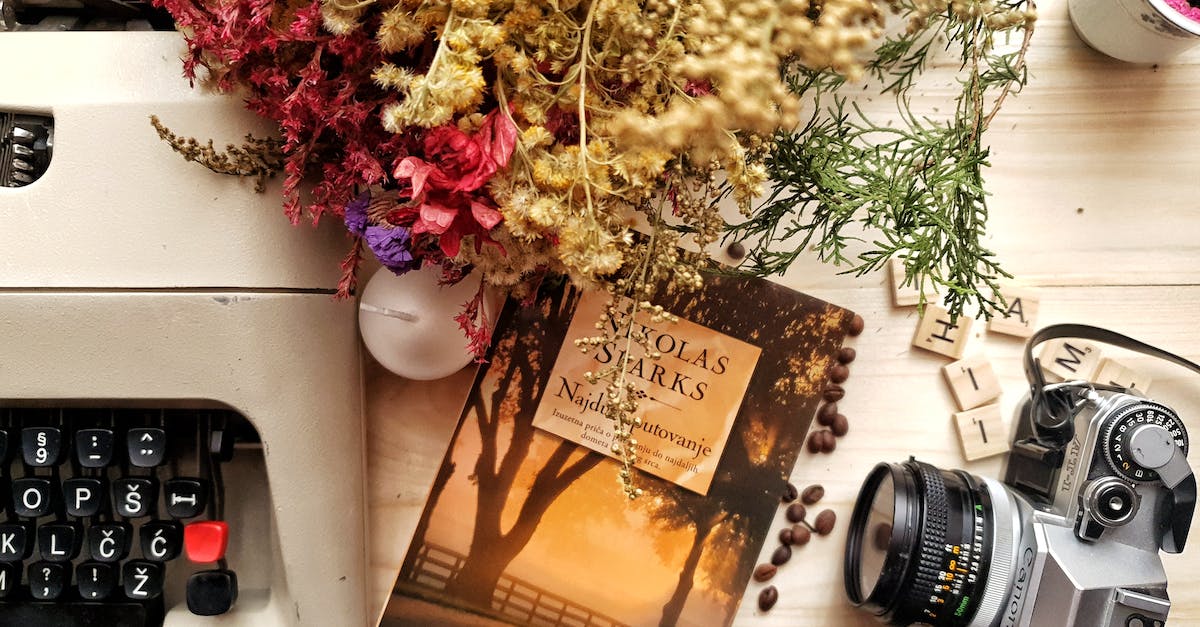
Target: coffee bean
point(765, 571)
point(825, 521)
point(796, 512)
point(767, 598)
point(840, 426)
point(781, 555)
point(834, 392)
point(736, 251)
point(785, 535)
point(812, 494)
point(857, 324)
point(800, 535)
point(789, 493)
point(814, 442)
point(828, 441)
point(839, 373)
point(826, 413)
point(846, 355)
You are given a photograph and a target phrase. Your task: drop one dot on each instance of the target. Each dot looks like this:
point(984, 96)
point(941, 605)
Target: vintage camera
point(1097, 484)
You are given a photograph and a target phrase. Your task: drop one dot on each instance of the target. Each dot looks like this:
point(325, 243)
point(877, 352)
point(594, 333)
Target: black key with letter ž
point(142, 580)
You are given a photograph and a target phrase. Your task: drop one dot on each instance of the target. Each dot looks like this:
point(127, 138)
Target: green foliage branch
point(917, 188)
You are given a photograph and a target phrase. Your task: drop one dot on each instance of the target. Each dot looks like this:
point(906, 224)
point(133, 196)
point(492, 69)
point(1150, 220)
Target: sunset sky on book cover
point(523, 526)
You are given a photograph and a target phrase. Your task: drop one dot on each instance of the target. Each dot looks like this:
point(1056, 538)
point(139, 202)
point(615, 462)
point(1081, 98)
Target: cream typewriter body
point(138, 290)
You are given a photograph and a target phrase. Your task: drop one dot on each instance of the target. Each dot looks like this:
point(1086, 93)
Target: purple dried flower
point(391, 247)
point(356, 213)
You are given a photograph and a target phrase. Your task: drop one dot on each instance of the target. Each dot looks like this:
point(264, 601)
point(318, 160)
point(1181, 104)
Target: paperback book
point(526, 522)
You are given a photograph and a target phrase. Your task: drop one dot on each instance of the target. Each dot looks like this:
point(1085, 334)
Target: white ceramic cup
point(1138, 31)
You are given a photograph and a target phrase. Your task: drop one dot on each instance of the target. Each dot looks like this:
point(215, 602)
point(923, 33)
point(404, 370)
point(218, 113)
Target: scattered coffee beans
point(825, 522)
point(796, 512)
point(785, 535)
point(812, 494)
point(765, 571)
point(834, 392)
point(767, 598)
point(857, 324)
point(814, 442)
point(781, 555)
point(840, 425)
point(800, 535)
point(826, 413)
point(789, 493)
point(839, 373)
point(846, 355)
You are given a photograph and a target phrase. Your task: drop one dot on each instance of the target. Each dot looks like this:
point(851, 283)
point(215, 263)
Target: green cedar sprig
point(916, 189)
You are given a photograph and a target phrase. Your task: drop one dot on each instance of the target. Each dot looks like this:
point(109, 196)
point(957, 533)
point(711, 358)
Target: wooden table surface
point(1096, 202)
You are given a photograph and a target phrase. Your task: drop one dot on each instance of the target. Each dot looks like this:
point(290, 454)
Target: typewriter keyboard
point(97, 504)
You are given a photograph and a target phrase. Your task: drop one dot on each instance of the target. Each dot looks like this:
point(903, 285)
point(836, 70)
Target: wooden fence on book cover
point(514, 598)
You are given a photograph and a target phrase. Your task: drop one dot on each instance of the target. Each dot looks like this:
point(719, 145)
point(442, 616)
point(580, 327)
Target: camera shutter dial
point(1141, 438)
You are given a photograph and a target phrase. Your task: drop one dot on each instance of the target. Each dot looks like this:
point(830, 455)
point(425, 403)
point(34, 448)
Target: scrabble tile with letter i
point(982, 432)
point(973, 381)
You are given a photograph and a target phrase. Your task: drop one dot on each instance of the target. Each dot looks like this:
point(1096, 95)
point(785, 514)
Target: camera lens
point(919, 545)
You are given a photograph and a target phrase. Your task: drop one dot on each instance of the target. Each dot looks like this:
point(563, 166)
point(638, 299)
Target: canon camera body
point(1097, 484)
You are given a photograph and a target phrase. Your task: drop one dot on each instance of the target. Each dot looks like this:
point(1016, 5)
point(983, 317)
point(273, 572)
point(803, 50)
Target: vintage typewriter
point(181, 436)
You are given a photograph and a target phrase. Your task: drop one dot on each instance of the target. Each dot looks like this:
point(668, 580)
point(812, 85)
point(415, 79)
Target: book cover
point(526, 522)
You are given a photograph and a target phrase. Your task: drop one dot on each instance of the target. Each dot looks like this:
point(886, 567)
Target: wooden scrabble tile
point(906, 295)
point(982, 432)
point(972, 381)
point(1113, 372)
point(1069, 359)
point(1020, 317)
point(936, 333)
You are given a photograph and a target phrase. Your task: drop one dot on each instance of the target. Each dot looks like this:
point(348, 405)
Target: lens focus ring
point(933, 536)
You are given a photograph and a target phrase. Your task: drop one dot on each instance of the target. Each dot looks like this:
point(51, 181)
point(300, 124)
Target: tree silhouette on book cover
point(539, 527)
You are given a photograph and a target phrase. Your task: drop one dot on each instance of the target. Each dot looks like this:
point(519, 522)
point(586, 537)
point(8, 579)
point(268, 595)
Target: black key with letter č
point(162, 540)
point(135, 496)
point(109, 542)
point(96, 580)
point(31, 496)
point(47, 580)
point(142, 579)
point(94, 447)
point(186, 497)
point(147, 446)
point(84, 496)
point(60, 541)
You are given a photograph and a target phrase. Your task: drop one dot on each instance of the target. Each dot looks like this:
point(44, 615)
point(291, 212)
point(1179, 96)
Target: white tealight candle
point(407, 322)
